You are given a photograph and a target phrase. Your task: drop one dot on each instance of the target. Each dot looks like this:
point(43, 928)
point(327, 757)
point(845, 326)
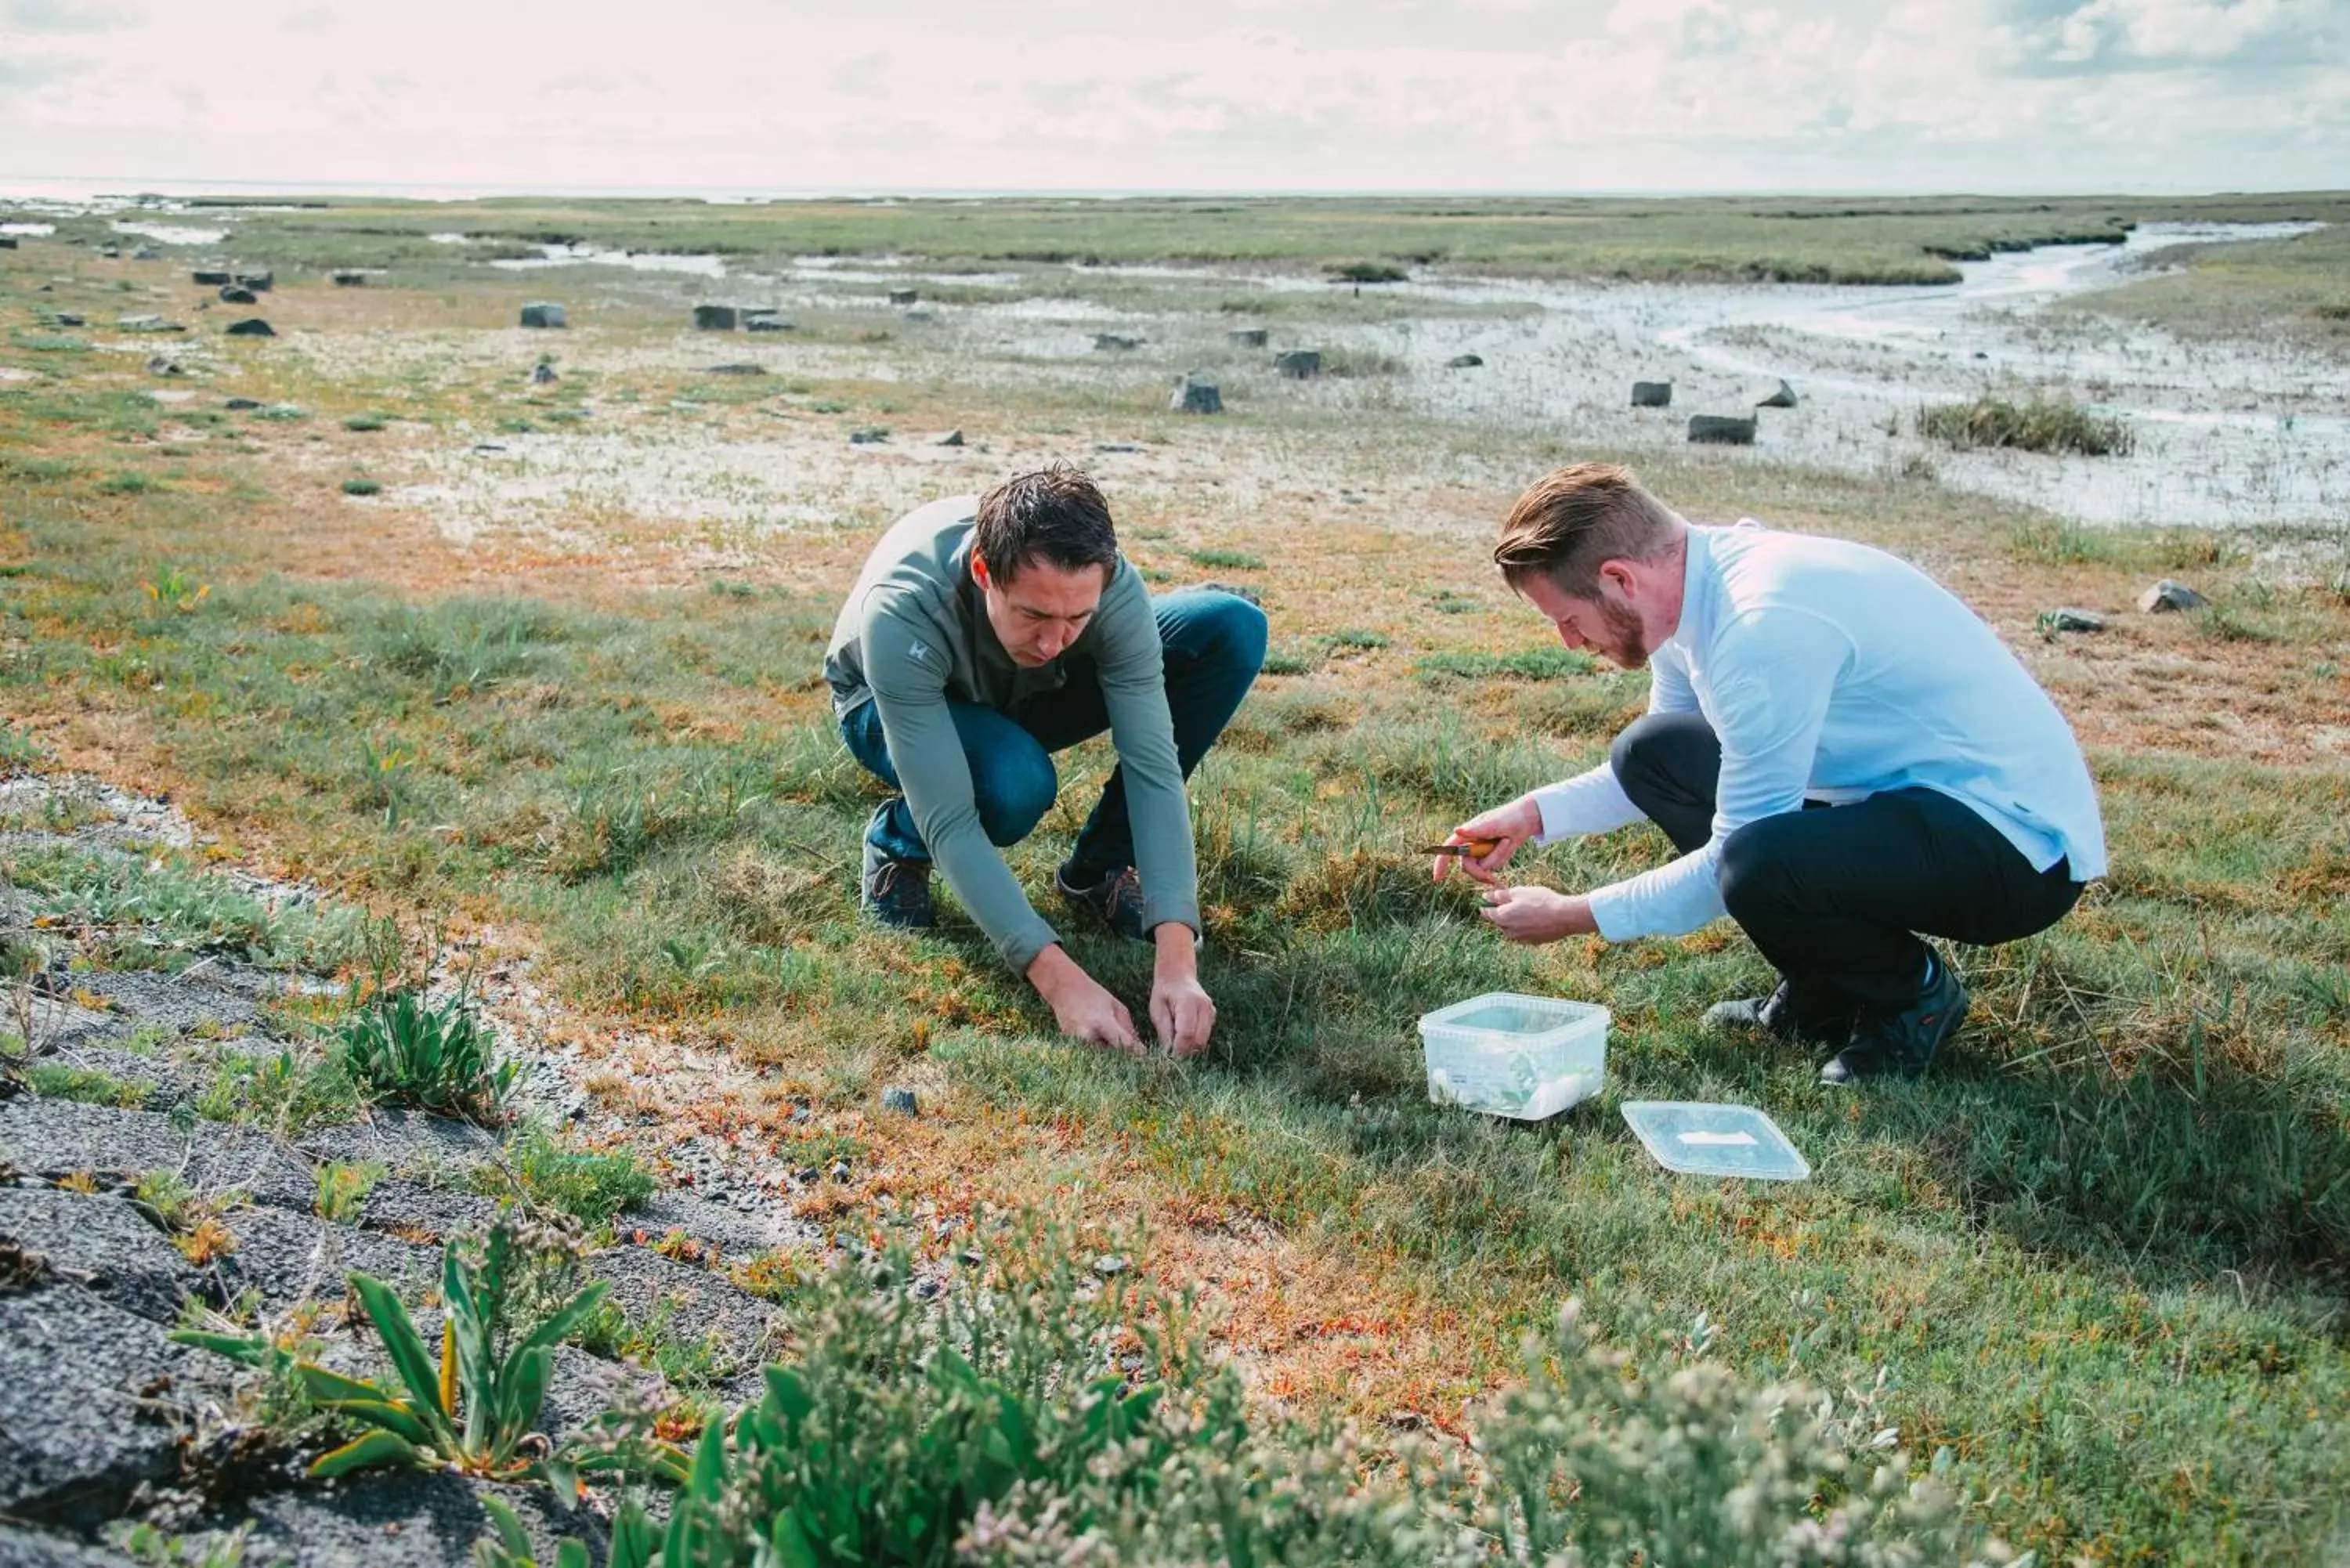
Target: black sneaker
point(894, 893)
point(1783, 1014)
point(1886, 1044)
point(1117, 897)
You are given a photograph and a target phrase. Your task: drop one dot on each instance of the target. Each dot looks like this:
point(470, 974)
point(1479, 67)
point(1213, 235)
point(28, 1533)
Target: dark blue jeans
point(1214, 645)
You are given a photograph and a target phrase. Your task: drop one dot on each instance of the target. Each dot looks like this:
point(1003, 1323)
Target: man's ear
point(1624, 574)
point(979, 574)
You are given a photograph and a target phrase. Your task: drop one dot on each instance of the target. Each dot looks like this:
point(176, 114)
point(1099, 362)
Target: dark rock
point(59, 1138)
point(904, 296)
point(901, 1100)
point(872, 436)
point(952, 438)
point(94, 1402)
point(259, 282)
point(7, 241)
point(110, 251)
point(543, 315)
point(1246, 337)
point(763, 321)
point(403, 1519)
point(159, 366)
point(347, 279)
point(2166, 596)
point(66, 319)
point(232, 294)
point(2076, 620)
point(401, 1140)
point(146, 252)
point(1118, 446)
point(920, 318)
point(140, 323)
point(1299, 363)
point(1652, 394)
point(1110, 1264)
point(1113, 341)
point(22, 1548)
point(209, 279)
point(1783, 397)
point(1720, 430)
point(241, 405)
point(1195, 394)
point(1982, 354)
point(738, 368)
point(714, 318)
point(542, 374)
point(292, 1258)
point(699, 1303)
point(250, 326)
point(103, 1244)
point(1464, 362)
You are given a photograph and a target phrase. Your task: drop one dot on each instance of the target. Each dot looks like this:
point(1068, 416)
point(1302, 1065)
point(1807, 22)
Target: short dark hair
point(1054, 514)
point(1572, 522)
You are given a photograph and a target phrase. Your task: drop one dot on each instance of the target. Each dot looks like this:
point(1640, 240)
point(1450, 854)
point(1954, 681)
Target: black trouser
point(1833, 898)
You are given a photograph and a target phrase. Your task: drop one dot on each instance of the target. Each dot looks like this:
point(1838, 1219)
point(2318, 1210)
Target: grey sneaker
point(1890, 1044)
point(894, 893)
point(1781, 1014)
point(1116, 898)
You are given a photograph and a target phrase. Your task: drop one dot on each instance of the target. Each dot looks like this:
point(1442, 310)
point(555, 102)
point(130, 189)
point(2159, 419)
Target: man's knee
point(1012, 794)
point(1662, 745)
point(1218, 629)
point(1756, 861)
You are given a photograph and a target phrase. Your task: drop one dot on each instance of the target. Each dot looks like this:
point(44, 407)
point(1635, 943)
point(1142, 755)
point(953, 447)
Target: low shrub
point(2043, 424)
point(590, 1187)
point(438, 1055)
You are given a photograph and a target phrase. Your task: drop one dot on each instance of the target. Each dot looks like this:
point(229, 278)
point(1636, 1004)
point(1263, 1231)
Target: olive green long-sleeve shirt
point(914, 637)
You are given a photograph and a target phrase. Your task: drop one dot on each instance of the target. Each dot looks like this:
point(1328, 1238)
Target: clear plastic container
point(1509, 1055)
point(1716, 1140)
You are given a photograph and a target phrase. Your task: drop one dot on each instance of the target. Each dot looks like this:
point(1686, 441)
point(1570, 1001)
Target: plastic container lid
point(1715, 1140)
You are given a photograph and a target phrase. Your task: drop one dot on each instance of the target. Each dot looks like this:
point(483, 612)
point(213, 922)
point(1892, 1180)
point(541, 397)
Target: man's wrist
point(1051, 971)
point(1179, 950)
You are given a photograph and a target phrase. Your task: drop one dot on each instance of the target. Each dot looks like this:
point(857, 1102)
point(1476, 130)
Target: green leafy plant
point(475, 1410)
point(442, 1055)
point(289, 1093)
point(365, 422)
point(86, 1084)
point(590, 1187)
point(2040, 424)
point(174, 589)
point(362, 487)
point(343, 1189)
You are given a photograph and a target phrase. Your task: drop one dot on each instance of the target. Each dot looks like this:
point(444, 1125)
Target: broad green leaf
point(571, 1554)
point(251, 1349)
point(793, 1547)
point(709, 1474)
point(400, 1340)
point(511, 1534)
point(553, 1330)
point(332, 1387)
point(376, 1447)
point(396, 1418)
point(632, 1539)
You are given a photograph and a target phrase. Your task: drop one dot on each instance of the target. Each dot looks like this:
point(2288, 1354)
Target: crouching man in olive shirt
point(984, 635)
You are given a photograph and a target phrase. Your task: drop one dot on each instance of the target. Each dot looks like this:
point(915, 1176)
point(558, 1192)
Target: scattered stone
point(1110, 1265)
point(488, 446)
point(208, 278)
point(259, 282)
point(146, 252)
point(543, 315)
point(904, 296)
point(871, 436)
point(349, 279)
point(1464, 362)
point(140, 323)
point(110, 251)
point(2076, 620)
point(1246, 337)
point(1720, 430)
point(1982, 354)
point(1118, 446)
point(1784, 397)
point(94, 1402)
point(714, 317)
point(839, 1171)
point(2166, 596)
point(1195, 394)
point(66, 319)
point(159, 366)
point(920, 318)
point(235, 294)
point(899, 1100)
point(739, 367)
point(543, 374)
point(1299, 363)
point(952, 438)
point(1115, 342)
point(241, 405)
point(767, 321)
point(104, 1245)
point(250, 326)
point(7, 241)
point(1652, 394)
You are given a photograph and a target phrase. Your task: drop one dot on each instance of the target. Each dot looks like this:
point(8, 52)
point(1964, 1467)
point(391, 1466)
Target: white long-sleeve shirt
point(1834, 671)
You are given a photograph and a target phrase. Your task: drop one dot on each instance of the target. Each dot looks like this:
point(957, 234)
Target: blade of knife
point(1476, 848)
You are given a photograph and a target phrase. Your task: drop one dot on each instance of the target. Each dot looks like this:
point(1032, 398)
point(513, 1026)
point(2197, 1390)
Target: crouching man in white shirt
point(1845, 756)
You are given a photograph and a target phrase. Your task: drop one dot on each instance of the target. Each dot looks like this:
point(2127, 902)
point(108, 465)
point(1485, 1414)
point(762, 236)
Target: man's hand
point(1082, 1008)
point(1537, 914)
point(1181, 1010)
point(1509, 826)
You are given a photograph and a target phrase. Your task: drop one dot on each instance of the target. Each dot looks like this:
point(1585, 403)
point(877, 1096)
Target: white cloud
point(1268, 94)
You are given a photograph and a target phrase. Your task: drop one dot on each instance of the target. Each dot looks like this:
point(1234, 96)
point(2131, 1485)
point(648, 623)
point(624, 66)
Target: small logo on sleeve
point(920, 654)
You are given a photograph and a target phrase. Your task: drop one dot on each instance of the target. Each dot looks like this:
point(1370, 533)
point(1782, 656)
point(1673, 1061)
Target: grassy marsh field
point(566, 695)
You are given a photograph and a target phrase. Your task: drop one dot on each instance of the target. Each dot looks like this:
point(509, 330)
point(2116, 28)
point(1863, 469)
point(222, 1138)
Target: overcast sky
point(1285, 94)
